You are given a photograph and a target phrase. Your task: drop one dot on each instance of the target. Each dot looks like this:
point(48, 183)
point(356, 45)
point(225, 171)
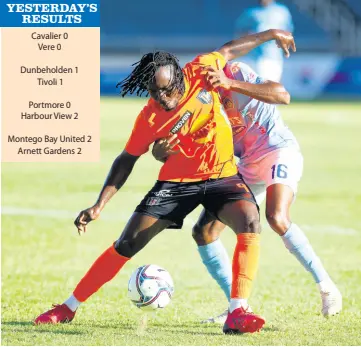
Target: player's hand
point(216, 78)
point(85, 217)
point(163, 148)
point(285, 41)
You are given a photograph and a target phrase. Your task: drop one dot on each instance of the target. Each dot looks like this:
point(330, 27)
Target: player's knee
point(278, 221)
point(203, 236)
point(126, 248)
point(253, 225)
point(250, 224)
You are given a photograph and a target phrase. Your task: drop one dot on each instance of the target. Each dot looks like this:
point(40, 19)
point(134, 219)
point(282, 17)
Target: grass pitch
point(43, 257)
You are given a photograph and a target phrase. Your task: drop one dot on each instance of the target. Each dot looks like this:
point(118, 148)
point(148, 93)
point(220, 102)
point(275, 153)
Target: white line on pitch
point(63, 214)
point(124, 217)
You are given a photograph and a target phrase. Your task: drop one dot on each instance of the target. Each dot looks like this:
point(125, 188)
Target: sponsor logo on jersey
point(204, 97)
point(163, 193)
point(238, 129)
point(227, 103)
point(178, 126)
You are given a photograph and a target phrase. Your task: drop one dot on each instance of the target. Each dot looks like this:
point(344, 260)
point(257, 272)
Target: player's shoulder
point(150, 107)
point(242, 72)
point(150, 117)
point(207, 58)
point(235, 68)
point(238, 65)
point(193, 68)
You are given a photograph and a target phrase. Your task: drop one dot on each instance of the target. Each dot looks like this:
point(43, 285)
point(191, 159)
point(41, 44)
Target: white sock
point(72, 303)
point(326, 286)
point(297, 243)
point(236, 303)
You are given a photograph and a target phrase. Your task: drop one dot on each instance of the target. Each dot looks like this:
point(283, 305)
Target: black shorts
point(174, 200)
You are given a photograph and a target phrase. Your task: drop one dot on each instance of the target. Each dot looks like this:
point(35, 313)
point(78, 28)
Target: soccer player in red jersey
point(202, 172)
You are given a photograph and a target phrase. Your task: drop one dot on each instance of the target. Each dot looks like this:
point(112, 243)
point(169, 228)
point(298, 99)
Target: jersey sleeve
point(243, 72)
point(214, 59)
point(141, 136)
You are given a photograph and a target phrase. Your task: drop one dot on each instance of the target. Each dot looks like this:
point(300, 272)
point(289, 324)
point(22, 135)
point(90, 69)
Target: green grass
point(43, 257)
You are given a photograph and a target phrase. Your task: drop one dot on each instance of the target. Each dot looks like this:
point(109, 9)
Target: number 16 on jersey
point(279, 170)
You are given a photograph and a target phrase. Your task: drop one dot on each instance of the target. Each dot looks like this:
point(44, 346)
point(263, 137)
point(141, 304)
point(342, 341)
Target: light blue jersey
point(257, 127)
point(257, 19)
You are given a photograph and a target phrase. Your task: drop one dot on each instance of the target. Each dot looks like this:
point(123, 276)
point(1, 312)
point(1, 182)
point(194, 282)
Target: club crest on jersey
point(204, 97)
point(152, 201)
point(178, 126)
point(235, 68)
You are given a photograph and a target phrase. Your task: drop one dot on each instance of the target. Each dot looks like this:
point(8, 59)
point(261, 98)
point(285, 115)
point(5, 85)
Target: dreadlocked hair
point(144, 72)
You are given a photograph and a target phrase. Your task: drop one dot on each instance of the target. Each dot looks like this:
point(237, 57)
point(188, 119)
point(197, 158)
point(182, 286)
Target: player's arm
point(243, 45)
point(269, 92)
point(255, 87)
point(117, 176)
point(138, 144)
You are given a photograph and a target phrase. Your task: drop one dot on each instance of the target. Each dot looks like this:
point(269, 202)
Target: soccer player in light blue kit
point(269, 14)
point(271, 164)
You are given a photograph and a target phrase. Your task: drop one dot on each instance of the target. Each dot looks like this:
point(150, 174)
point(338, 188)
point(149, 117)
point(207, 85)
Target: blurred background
point(327, 33)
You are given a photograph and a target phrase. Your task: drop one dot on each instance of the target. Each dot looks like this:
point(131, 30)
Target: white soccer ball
point(150, 287)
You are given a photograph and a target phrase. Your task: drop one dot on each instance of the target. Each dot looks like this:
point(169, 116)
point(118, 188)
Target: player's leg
point(278, 202)
point(282, 171)
point(206, 233)
point(242, 217)
point(214, 256)
point(233, 203)
point(166, 204)
point(137, 233)
point(207, 229)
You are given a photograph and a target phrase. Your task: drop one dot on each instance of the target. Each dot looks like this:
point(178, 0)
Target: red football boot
point(241, 321)
point(59, 314)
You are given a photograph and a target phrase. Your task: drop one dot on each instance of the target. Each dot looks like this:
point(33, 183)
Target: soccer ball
point(150, 287)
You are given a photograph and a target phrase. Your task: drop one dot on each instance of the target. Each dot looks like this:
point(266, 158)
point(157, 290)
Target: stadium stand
point(327, 33)
point(211, 22)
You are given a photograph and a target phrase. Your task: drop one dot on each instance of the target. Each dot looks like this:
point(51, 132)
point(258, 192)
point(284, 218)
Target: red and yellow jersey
point(206, 145)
